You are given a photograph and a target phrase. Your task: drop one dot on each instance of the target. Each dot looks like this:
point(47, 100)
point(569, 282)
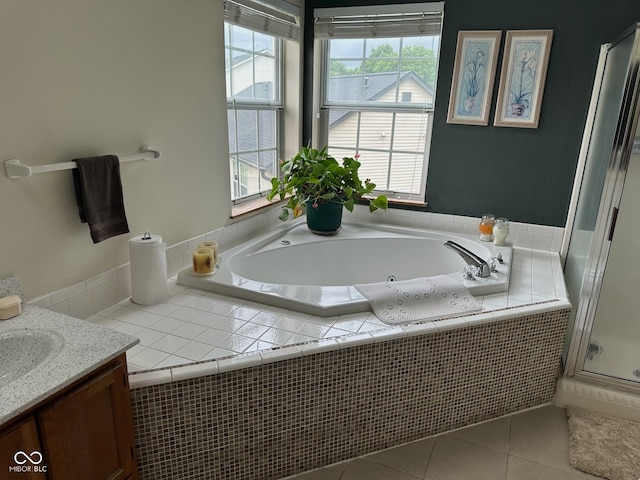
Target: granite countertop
point(85, 347)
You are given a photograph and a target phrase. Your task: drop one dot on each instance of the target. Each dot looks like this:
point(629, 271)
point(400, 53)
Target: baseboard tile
point(571, 392)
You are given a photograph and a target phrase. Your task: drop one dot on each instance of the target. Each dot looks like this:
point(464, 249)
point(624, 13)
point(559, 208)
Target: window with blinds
point(379, 67)
point(253, 37)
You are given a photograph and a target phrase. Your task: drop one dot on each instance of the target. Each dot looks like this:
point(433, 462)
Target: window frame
point(322, 105)
point(235, 104)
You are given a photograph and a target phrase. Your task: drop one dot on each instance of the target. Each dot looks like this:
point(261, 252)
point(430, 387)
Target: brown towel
point(99, 196)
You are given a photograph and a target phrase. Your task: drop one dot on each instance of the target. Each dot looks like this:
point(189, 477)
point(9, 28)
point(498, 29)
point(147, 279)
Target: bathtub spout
point(471, 258)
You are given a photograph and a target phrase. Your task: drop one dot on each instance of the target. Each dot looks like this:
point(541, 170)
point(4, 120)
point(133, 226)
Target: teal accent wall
point(523, 174)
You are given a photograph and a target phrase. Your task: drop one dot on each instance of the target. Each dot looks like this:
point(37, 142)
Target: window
point(253, 70)
point(253, 33)
point(379, 67)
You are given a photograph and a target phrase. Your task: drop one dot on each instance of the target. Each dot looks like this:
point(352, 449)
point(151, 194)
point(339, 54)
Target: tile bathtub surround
point(198, 326)
point(90, 296)
point(276, 419)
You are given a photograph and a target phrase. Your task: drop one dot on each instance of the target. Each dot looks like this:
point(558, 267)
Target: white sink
point(21, 351)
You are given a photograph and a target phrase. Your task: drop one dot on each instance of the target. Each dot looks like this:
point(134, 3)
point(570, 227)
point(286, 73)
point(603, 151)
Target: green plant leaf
point(349, 204)
point(318, 169)
point(380, 201)
point(284, 214)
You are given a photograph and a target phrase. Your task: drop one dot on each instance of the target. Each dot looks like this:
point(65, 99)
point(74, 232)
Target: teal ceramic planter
point(325, 219)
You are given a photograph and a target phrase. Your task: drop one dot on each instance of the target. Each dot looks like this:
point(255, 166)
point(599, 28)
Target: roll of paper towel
point(148, 262)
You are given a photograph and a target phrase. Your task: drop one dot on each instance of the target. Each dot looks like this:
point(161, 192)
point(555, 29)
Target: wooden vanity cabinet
point(86, 431)
point(20, 438)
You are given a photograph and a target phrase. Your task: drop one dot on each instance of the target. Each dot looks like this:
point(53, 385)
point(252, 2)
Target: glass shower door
point(604, 172)
point(613, 344)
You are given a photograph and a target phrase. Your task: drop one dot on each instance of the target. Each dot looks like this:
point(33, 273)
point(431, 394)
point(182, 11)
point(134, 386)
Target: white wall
point(86, 77)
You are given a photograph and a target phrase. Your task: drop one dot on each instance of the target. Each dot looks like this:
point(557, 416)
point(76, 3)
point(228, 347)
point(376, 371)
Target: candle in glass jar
point(203, 260)
point(500, 231)
point(486, 227)
point(213, 246)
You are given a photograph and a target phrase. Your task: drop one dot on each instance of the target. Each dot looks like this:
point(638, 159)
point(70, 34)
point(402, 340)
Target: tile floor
point(532, 445)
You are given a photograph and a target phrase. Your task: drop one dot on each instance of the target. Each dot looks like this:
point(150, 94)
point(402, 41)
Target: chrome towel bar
point(15, 169)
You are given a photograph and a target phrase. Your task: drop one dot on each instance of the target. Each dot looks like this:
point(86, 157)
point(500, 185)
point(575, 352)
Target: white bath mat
point(424, 298)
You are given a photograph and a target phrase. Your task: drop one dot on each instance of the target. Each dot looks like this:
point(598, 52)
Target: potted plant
point(319, 184)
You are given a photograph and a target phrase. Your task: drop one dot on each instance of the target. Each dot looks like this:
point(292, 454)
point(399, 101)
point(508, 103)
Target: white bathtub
point(295, 269)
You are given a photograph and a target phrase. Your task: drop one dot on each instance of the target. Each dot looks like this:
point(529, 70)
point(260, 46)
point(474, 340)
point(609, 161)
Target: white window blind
point(274, 17)
point(383, 21)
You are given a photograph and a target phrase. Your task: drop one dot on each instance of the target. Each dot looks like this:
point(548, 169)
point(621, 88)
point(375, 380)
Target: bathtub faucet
point(471, 258)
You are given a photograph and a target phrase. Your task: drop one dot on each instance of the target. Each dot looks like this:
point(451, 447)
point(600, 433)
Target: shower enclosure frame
point(592, 279)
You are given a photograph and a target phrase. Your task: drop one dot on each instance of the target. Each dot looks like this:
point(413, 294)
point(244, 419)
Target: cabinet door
point(88, 433)
point(20, 452)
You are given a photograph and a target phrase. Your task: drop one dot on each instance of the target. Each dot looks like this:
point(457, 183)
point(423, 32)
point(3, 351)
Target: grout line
point(433, 447)
point(506, 472)
point(509, 435)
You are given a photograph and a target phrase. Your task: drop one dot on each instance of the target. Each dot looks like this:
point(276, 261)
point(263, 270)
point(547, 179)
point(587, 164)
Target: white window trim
point(277, 105)
point(288, 113)
point(321, 106)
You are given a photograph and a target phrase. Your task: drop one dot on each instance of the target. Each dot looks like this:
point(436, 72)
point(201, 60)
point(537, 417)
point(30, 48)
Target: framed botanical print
point(473, 74)
point(524, 70)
